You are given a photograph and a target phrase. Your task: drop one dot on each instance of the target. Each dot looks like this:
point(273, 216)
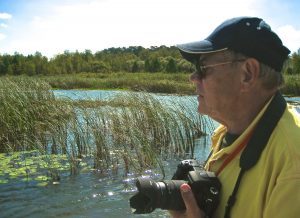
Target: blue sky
point(53, 26)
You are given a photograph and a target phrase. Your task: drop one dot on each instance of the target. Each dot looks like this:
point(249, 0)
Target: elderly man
point(256, 150)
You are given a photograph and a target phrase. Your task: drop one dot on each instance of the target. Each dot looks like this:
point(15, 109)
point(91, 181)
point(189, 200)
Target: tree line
point(293, 64)
point(131, 59)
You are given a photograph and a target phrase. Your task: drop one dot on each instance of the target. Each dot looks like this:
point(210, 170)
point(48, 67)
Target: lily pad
point(42, 178)
point(3, 181)
point(42, 184)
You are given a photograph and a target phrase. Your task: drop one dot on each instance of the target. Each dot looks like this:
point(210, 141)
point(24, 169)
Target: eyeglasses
point(201, 69)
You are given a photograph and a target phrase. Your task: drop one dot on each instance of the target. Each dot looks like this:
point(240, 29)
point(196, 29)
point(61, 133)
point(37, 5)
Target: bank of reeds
point(133, 131)
point(148, 82)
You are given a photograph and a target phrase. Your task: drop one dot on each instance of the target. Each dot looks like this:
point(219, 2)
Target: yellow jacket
point(270, 189)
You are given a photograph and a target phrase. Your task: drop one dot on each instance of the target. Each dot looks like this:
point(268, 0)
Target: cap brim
point(191, 51)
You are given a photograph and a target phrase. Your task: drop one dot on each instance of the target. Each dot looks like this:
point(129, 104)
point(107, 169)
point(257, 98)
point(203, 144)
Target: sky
point(54, 26)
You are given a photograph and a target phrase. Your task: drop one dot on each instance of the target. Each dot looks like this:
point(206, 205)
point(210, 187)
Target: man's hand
point(192, 209)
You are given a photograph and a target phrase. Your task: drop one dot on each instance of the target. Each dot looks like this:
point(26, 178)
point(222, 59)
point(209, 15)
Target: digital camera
point(166, 194)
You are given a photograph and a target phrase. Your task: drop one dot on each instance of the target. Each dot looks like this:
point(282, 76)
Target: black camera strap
point(257, 143)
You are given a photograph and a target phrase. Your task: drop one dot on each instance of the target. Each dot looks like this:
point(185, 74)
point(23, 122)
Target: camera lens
point(164, 194)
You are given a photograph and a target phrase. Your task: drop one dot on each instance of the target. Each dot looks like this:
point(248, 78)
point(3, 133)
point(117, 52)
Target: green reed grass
point(143, 130)
point(149, 82)
point(28, 111)
point(132, 132)
point(29, 119)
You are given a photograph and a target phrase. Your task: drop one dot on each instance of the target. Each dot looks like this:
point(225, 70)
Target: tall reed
point(140, 130)
point(133, 131)
point(30, 120)
point(28, 112)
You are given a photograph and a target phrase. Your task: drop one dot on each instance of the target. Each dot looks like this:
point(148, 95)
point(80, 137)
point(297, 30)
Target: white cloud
point(2, 36)
point(5, 16)
point(100, 24)
point(3, 25)
point(290, 37)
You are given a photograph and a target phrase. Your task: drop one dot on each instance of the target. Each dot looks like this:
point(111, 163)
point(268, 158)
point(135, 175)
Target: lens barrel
point(151, 194)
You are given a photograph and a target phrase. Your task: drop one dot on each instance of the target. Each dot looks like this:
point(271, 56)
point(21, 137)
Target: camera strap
point(257, 143)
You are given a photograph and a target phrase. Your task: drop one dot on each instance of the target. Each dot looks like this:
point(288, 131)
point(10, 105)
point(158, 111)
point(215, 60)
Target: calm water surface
point(86, 195)
point(89, 194)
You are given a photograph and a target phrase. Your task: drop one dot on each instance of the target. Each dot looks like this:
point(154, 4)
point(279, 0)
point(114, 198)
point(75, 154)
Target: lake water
point(89, 194)
point(85, 195)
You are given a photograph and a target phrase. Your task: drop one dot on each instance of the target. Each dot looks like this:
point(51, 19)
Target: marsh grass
point(168, 83)
point(137, 131)
point(132, 132)
point(30, 118)
point(148, 82)
point(28, 113)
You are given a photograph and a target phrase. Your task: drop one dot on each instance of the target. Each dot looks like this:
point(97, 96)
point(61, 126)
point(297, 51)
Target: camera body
point(166, 194)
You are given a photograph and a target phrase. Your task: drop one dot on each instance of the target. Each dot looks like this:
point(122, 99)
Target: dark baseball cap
point(250, 36)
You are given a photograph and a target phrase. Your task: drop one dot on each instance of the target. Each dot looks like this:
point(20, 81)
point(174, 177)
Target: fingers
point(192, 209)
point(177, 214)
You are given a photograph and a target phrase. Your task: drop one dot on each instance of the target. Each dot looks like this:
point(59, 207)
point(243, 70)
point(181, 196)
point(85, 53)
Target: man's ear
point(251, 70)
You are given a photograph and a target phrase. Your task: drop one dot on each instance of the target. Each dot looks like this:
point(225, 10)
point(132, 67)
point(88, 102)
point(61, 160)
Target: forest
point(133, 59)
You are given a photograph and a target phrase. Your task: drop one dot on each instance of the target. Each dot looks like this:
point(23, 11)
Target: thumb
point(190, 202)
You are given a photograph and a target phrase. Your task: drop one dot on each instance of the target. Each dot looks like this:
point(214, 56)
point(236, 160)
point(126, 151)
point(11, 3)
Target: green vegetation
point(155, 69)
point(132, 132)
point(291, 74)
point(292, 85)
point(177, 83)
point(42, 137)
point(292, 66)
point(155, 83)
point(134, 59)
point(28, 113)
point(131, 59)
point(32, 167)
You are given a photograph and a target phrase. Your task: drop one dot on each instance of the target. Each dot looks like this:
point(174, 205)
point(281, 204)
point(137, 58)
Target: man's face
point(219, 89)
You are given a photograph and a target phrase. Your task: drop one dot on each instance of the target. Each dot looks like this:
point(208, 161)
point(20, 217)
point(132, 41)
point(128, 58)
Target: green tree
point(171, 66)
point(2, 67)
point(296, 63)
point(41, 63)
point(100, 67)
point(29, 68)
point(10, 70)
point(152, 65)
